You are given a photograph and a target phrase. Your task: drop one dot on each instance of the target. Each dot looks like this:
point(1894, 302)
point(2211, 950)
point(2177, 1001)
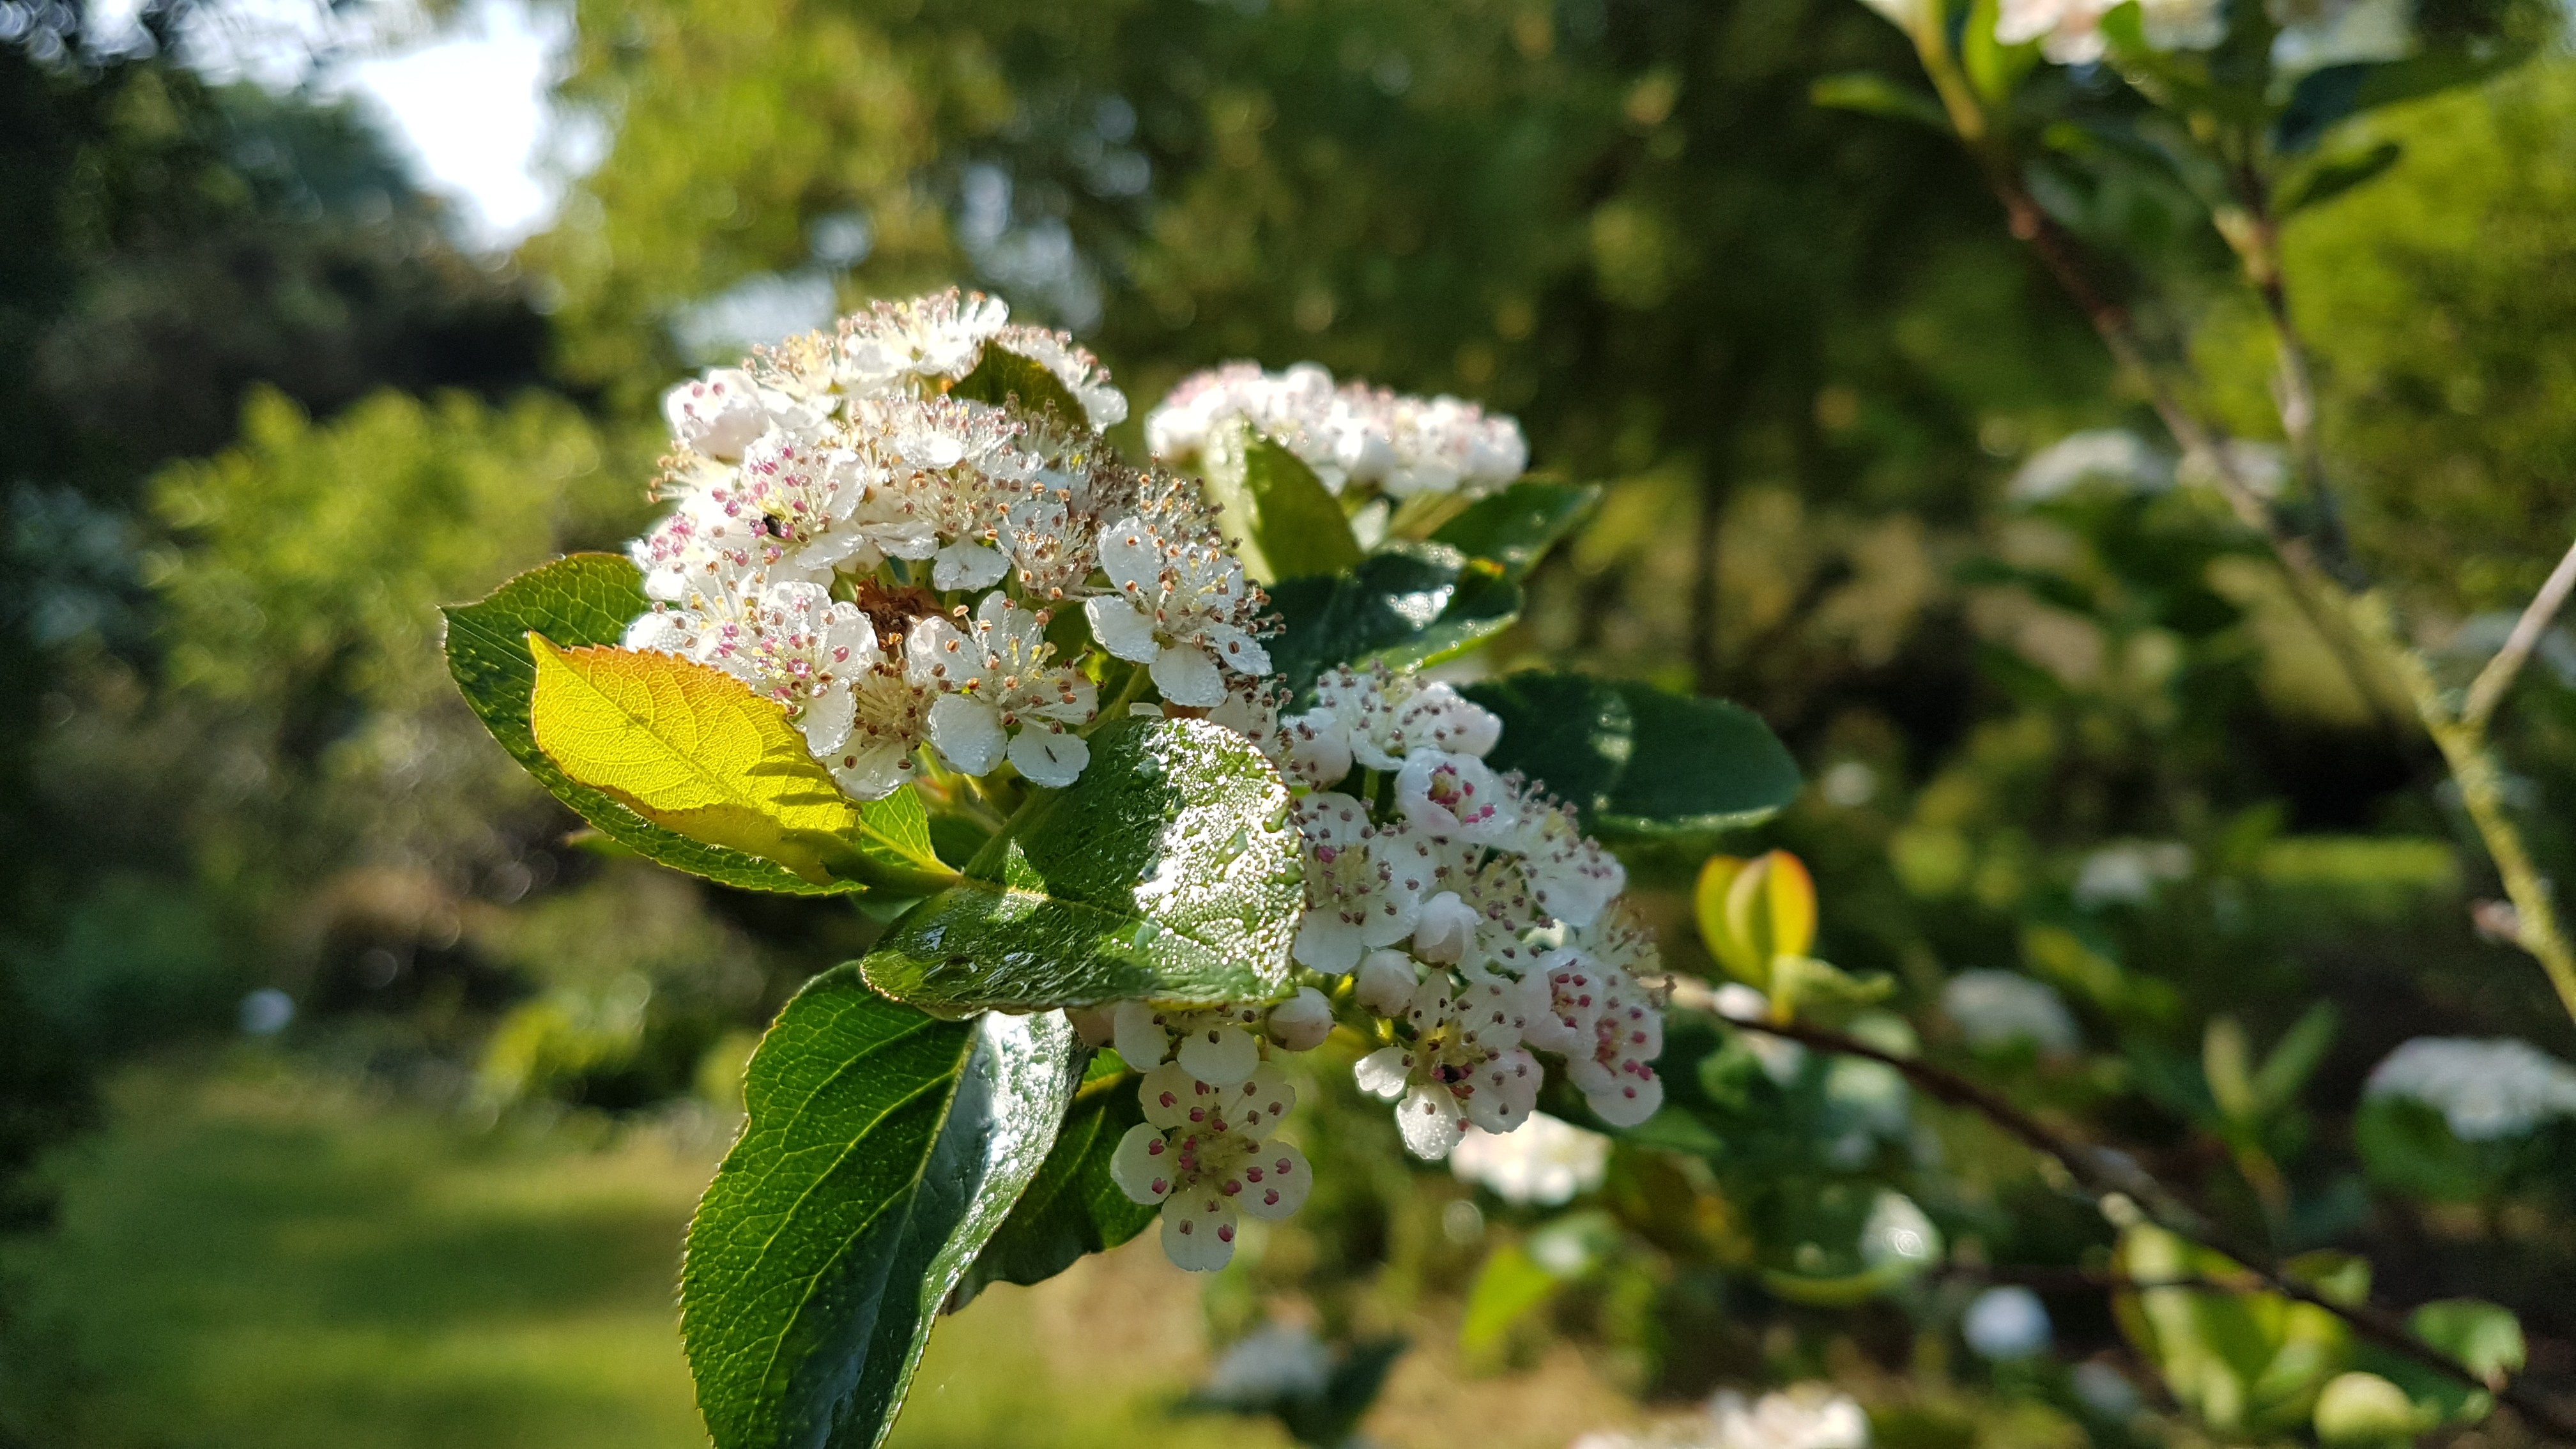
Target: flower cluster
point(2486, 1089)
point(860, 533)
point(2069, 32)
point(1353, 436)
point(884, 557)
point(1461, 914)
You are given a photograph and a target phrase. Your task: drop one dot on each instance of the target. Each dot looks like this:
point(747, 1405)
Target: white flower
point(1463, 1064)
point(1103, 405)
point(998, 698)
point(2115, 456)
point(889, 722)
point(938, 336)
point(1179, 609)
point(1204, 1152)
point(1541, 1161)
point(1216, 1043)
point(1617, 1076)
point(2127, 872)
point(1570, 876)
point(1576, 987)
point(1385, 982)
point(1803, 1416)
point(2006, 1322)
point(1300, 1023)
point(1455, 795)
point(1318, 749)
point(1251, 709)
point(1355, 899)
point(2486, 1089)
point(804, 652)
point(1275, 1364)
point(2069, 32)
point(796, 493)
point(717, 415)
point(1998, 1008)
point(1377, 718)
point(1351, 435)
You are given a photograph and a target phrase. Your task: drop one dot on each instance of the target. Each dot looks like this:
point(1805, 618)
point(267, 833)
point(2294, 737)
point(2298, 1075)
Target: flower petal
point(1220, 1055)
point(1275, 1182)
point(967, 732)
point(1048, 758)
point(1121, 627)
point(1198, 1230)
point(1186, 675)
point(1142, 1165)
point(1139, 1037)
point(1430, 1122)
point(1382, 1073)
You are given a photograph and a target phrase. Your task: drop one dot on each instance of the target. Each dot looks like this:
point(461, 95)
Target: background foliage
point(266, 416)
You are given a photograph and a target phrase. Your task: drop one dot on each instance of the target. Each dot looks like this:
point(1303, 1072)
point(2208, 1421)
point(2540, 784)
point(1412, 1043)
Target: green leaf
point(1407, 606)
point(1509, 1288)
point(1995, 70)
point(2328, 95)
point(1169, 871)
point(1073, 1206)
point(585, 599)
point(1638, 762)
point(1289, 524)
point(1873, 94)
point(2332, 177)
point(1516, 527)
point(1003, 376)
point(2485, 1337)
point(691, 748)
point(883, 1147)
point(2295, 1057)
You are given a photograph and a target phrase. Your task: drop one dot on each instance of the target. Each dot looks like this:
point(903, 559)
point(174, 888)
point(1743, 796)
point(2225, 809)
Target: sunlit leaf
point(1403, 607)
point(1516, 527)
point(587, 599)
point(1072, 1207)
point(1169, 871)
point(1640, 762)
point(694, 750)
point(882, 1149)
point(1286, 523)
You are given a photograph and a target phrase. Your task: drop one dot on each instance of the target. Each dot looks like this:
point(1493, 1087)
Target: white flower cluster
point(2486, 1089)
point(883, 557)
point(1463, 907)
point(1353, 436)
point(1802, 1416)
point(2069, 32)
point(1541, 1161)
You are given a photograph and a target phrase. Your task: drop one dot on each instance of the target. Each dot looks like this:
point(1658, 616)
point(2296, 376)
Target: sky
point(464, 99)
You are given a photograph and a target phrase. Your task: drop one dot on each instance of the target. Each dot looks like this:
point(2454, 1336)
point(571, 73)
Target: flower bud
point(1385, 981)
point(1301, 1023)
point(1443, 930)
point(1096, 1025)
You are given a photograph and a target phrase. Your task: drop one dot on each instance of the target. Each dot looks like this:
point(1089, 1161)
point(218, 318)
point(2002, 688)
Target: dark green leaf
point(1288, 524)
point(1516, 527)
point(882, 1149)
point(1003, 375)
point(2331, 94)
point(1638, 762)
point(2328, 179)
point(589, 598)
point(1168, 871)
point(1072, 1207)
point(1407, 606)
point(1873, 94)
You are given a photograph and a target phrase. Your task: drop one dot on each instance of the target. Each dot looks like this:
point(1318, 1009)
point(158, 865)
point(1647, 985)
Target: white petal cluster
point(1542, 1161)
point(884, 558)
point(2069, 32)
point(1465, 910)
point(1802, 1416)
point(2485, 1088)
point(1354, 436)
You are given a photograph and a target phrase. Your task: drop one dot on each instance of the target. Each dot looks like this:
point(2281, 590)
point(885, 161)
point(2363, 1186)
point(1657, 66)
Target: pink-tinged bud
point(1385, 981)
point(1301, 1023)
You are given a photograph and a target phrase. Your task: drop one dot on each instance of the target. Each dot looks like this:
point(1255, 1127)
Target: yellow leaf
point(690, 748)
point(1753, 913)
point(1708, 902)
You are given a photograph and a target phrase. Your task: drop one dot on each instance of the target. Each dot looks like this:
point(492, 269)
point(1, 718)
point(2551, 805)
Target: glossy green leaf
point(1516, 527)
point(1285, 520)
point(882, 1148)
point(1168, 871)
point(2333, 176)
point(1072, 1207)
point(1406, 606)
point(1873, 94)
point(1003, 376)
point(1639, 762)
point(2333, 93)
point(586, 599)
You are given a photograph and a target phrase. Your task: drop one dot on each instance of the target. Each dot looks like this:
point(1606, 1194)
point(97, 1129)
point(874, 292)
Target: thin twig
point(2103, 1172)
point(2487, 690)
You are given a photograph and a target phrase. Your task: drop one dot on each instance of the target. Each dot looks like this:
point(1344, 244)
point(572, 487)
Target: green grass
point(253, 1258)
